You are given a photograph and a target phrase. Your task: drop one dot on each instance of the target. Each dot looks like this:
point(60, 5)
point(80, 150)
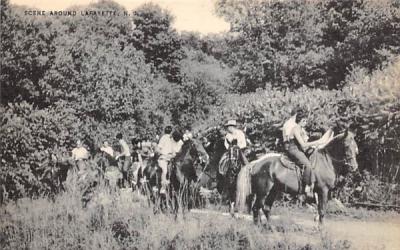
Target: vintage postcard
point(200, 124)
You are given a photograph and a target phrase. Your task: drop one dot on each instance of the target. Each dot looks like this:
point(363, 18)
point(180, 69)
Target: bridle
point(346, 162)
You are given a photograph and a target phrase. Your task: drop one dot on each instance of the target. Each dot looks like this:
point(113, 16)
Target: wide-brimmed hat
point(231, 123)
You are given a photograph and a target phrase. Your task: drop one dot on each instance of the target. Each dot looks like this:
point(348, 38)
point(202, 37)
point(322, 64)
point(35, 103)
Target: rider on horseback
point(297, 145)
point(106, 148)
point(80, 155)
point(125, 155)
point(167, 147)
point(233, 133)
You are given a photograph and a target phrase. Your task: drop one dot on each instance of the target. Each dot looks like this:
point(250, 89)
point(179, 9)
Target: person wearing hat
point(234, 133)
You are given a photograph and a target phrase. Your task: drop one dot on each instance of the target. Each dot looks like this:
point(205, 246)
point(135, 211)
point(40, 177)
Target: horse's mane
point(336, 139)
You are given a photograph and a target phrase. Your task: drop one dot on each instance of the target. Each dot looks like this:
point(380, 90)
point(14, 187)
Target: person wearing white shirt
point(109, 155)
point(288, 126)
point(106, 148)
point(234, 133)
point(296, 144)
point(164, 149)
point(80, 154)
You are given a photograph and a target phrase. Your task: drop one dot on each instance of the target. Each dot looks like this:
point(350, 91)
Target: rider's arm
point(140, 158)
point(300, 139)
point(125, 149)
point(242, 143)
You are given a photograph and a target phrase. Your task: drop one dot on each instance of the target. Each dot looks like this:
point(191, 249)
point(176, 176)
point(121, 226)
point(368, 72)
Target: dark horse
point(269, 176)
point(182, 175)
point(213, 140)
point(229, 167)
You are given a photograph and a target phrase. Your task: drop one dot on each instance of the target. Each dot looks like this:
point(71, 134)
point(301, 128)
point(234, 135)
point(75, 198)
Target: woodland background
point(64, 78)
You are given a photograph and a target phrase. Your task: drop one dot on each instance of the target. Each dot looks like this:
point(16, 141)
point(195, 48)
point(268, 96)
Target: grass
point(123, 220)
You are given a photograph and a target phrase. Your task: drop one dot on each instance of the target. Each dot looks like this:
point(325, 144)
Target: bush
point(31, 140)
point(369, 105)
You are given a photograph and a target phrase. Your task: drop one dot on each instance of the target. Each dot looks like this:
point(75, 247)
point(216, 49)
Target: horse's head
point(201, 152)
point(344, 150)
point(184, 163)
point(351, 151)
point(211, 138)
point(195, 149)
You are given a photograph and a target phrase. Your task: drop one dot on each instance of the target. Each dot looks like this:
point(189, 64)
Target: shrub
point(369, 105)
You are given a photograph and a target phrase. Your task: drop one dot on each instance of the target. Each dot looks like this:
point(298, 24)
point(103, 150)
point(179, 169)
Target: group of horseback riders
point(296, 146)
point(132, 159)
point(295, 140)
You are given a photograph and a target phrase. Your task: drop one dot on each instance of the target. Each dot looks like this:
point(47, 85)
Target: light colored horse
point(270, 176)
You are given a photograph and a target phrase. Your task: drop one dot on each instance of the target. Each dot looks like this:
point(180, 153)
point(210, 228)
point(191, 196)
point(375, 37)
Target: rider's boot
point(232, 208)
point(308, 190)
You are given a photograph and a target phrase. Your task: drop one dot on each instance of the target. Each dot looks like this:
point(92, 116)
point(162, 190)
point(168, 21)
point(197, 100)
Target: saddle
point(230, 161)
point(288, 163)
point(291, 165)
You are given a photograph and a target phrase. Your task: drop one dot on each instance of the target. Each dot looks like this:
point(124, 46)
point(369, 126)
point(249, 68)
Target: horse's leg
point(271, 196)
point(261, 194)
point(231, 194)
point(322, 203)
point(258, 204)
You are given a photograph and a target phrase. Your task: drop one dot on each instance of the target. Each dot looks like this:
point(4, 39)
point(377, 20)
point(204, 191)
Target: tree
point(159, 42)
point(27, 52)
point(288, 44)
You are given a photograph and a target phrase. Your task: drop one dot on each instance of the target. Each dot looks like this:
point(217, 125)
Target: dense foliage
point(369, 106)
point(289, 44)
point(90, 77)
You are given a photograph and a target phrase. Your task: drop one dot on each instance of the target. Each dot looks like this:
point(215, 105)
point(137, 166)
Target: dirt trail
point(365, 234)
point(362, 234)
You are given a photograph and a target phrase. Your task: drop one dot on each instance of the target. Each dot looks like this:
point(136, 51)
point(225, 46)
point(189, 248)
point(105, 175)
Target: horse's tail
point(243, 189)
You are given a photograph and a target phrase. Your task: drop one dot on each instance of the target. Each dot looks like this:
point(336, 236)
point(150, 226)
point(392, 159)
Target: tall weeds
point(124, 220)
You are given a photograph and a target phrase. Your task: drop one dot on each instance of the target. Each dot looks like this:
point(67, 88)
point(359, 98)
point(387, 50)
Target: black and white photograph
point(200, 124)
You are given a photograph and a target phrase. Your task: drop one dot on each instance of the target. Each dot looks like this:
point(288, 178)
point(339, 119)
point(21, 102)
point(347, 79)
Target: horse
point(182, 175)
point(270, 176)
point(213, 141)
point(108, 169)
point(149, 178)
point(229, 167)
